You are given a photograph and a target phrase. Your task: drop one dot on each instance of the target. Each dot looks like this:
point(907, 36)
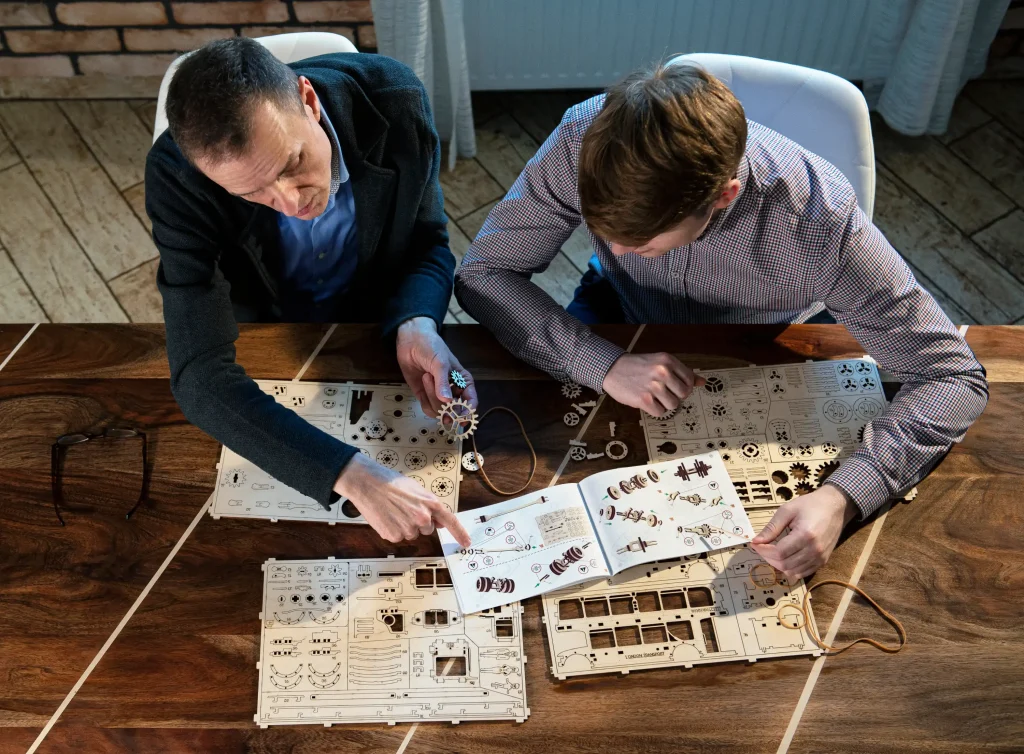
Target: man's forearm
point(534, 328)
point(424, 291)
point(920, 425)
point(226, 404)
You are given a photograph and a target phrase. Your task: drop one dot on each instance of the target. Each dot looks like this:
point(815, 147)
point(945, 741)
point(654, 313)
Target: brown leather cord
point(480, 463)
point(889, 617)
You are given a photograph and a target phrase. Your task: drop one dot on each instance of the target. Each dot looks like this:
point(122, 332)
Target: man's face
point(288, 164)
point(688, 231)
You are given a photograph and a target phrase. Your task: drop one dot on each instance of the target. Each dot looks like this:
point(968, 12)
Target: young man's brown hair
point(666, 142)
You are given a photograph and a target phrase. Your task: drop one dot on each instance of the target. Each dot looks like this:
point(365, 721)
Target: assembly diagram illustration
point(383, 641)
point(610, 521)
point(385, 422)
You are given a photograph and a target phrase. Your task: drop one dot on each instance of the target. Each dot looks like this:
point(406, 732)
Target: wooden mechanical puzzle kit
point(637, 568)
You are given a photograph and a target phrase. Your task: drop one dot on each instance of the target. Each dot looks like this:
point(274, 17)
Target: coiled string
point(479, 460)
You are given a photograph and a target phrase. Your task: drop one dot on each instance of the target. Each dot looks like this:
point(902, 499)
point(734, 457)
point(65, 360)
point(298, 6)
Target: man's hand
point(395, 506)
point(426, 363)
point(815, 521)
point(653, 382)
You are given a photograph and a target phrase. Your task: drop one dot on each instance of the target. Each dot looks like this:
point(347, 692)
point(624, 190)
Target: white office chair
point(286, 47)
point(819, 111)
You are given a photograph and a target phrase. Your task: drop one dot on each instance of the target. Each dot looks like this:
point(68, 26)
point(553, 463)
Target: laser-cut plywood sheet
point(781, 429)
point(722, 606)
point(385, 422)
point(383, 641)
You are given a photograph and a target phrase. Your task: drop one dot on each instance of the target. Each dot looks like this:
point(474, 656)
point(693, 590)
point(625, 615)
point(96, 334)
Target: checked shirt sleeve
point(522, 234)
point(868, 287)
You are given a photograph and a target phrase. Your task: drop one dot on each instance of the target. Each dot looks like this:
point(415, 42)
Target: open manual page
point(564, 535)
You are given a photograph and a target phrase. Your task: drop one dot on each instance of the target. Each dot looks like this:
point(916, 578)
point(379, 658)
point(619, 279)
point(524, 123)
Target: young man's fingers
point(680, 388)
point(782, 518)
point(683, 372)
point(649, 402)
point(770, 555)
point(797, 569)
point(665, 397)
point(447, 520)
point(792, 545)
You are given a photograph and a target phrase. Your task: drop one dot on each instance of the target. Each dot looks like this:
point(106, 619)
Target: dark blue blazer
point(220, 262)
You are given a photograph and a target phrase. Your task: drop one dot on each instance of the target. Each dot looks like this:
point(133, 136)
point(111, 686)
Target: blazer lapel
point(372, 191)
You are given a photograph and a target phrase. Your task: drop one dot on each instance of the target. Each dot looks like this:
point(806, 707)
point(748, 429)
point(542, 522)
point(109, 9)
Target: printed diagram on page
point(666, 509)
point(781, 430)
point(524, 545)
point(385, 422)
point(383, 641)
point(608, 522)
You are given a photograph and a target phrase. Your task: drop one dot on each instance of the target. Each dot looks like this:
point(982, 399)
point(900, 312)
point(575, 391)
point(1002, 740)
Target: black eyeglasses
point(59, 449)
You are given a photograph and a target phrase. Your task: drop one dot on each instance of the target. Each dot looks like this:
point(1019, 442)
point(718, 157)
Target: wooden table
point(181, 675)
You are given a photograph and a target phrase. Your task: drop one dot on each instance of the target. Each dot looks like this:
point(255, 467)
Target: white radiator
point(570, 44)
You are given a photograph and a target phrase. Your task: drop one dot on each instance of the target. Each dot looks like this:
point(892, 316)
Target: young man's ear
point(732, 188)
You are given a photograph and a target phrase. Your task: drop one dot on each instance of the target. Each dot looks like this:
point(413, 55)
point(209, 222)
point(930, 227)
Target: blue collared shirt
point(320, 255)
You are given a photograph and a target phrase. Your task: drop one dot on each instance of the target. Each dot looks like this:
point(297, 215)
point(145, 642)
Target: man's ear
point(309, 98)
point(732, 188)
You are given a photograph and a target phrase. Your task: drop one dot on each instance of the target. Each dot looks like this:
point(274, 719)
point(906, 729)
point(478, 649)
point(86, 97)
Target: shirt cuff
point(592, 360)
point(862, 483)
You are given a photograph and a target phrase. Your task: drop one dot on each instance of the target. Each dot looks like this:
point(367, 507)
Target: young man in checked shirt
point(698, 215)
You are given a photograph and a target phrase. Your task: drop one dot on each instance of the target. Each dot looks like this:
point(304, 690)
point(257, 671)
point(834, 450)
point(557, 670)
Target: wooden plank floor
point(952, 205)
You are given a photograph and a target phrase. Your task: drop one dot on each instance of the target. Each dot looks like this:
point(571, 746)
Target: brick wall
point(57, 38)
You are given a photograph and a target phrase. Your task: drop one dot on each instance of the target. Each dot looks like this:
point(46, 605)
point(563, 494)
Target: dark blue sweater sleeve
point(213, 391)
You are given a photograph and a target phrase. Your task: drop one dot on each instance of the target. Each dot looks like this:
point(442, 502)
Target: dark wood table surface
point(181, 675)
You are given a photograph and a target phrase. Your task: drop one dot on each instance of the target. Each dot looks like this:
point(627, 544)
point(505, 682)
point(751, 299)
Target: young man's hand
point(395, 506)
point(815, 521)
point(652, 382)
point(426, 364)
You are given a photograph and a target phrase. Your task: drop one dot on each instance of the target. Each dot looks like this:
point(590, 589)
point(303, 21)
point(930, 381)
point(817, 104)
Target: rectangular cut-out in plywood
point(378, 641)
point(385, 422)
point(722, 606)
point(627, 636)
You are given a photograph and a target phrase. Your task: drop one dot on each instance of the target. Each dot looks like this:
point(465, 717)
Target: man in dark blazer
point(302, 193)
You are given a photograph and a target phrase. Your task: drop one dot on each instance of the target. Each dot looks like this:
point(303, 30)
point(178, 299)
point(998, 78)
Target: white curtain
point(428, 36)
point(920, 55)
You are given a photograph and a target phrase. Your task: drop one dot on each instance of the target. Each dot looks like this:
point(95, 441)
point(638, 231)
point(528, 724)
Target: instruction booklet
point(564, 535)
